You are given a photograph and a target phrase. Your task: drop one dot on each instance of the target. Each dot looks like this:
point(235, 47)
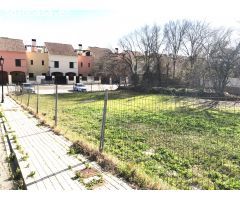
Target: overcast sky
point(102, 22)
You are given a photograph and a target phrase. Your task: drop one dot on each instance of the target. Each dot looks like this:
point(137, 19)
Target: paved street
point(50, 89)
point(49, 166)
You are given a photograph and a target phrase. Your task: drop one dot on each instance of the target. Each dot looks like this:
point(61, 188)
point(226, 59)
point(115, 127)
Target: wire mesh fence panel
point(80, 115)
point(181, 140)
point(186, 142)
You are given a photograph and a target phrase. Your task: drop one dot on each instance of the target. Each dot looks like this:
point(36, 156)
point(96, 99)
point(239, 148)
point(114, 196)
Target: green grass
point(184, 142)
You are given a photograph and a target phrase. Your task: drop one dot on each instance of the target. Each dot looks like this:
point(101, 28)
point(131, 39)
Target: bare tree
point(131, 55)
point(110, 65)
point(174, 32)
point(150, 42)
point(222, 58)
point(142, 51)
point(194, 39)
point(193, 45)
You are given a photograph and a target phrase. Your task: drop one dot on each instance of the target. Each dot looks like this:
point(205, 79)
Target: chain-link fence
point(186, 142)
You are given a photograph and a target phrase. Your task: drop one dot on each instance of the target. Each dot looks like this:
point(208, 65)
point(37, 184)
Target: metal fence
point(186, 142)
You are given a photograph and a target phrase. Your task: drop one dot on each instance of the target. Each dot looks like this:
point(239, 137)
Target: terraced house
point(37, 60)
point(85, 62)
point(62, 59)
point(15, 66)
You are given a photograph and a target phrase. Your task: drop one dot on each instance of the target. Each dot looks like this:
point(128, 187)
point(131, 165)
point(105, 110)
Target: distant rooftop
point(60, 49)
point(9, 44)
point(99, 52)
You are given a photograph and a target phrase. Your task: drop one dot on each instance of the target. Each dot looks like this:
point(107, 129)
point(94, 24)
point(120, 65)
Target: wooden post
point(103, 121)
point(56, 105)
point(37, 98)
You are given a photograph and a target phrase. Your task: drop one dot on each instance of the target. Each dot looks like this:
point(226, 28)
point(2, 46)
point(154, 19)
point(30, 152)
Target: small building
point(100, 54)
point(85, 62)
point(37, 61)
point(62, 59)
point(15, 66)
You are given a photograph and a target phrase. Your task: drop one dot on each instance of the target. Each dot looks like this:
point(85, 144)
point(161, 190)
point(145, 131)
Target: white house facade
point(63, 64)
point(62, 59)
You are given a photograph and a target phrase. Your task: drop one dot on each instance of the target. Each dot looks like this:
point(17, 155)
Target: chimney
point(79, 50)
point(34, 43)
point(80, 47)
point(116, 50)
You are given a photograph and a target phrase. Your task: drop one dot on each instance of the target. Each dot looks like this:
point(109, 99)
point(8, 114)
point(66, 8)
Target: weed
point(94, 183)
point(11, 157)
point(25, 157)
point(18, 147)
point(17, 174)
point(81, 175)
point(72, 150)
point(87, 165)
point(32, 174)
point(21, 151)
point(14, 138)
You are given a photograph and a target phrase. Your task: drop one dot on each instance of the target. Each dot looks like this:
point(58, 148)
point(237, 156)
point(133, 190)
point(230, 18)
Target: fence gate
point(18, 77)
point(60, 80)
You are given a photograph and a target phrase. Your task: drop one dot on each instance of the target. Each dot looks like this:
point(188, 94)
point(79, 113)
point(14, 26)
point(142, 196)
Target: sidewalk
point(5, 178)
point(48, 166)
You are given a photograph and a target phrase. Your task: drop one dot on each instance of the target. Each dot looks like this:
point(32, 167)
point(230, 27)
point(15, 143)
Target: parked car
point(27, 88)
point(79, 87)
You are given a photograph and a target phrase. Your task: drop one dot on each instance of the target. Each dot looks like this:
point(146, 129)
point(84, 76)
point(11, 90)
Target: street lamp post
point(1, 63)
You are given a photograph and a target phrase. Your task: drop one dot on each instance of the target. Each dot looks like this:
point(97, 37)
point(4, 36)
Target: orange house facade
point(85, 64)
point(15, 65)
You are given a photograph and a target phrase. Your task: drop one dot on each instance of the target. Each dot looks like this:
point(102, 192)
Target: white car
point(27, 88)
point(79, 87)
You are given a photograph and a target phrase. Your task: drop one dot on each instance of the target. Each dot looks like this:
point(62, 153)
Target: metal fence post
point(56, 105)
point(103, 122)
point(21, 97)
point(28, 99)
point(37, 98)
point(16, 92)
point(7, 89)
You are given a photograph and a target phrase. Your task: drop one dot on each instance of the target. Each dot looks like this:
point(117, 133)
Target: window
point(18, 62)
point(31, 62)
point(42, 62)
point(31, 75)
point(81, 64)
point(44, 74)
point(56, 64)
point(88, 64)
point(71, 64)
point(88, 53)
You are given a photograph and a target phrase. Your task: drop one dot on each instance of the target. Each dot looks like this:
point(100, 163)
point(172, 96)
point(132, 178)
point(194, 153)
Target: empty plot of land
point(188, 143)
